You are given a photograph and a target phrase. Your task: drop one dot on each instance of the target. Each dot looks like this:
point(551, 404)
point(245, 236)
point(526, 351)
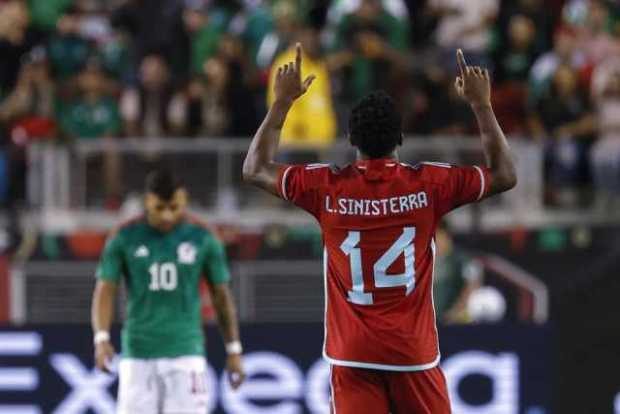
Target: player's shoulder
point(201, 226)
point(320, 168)
point(316, 172)
point(430, 172)
point(127, 226)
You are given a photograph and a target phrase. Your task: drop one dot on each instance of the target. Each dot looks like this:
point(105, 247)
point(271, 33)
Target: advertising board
point(490, 370)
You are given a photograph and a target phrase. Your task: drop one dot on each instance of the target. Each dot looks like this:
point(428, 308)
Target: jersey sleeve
point(302, 185)
point(215, 265)
point(460, 185)
point(110, 267)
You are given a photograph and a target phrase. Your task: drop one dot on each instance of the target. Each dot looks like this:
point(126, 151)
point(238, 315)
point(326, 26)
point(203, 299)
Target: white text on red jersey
point(376, 207)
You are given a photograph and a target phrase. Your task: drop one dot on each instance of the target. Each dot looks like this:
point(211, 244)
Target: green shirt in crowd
point(365, 73)
point(83, 119)
point(205, 44)
point(45, 13)
point(68, 55)
point(161, 272)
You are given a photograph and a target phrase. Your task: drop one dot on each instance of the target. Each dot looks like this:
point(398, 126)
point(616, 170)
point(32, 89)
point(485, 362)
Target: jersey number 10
point(163, 276)
point(404, 245)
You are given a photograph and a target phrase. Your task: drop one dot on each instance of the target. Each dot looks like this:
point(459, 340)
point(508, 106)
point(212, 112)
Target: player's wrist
point(234, 348)
point(101, 336)
point(481, 105)
point(283, 103)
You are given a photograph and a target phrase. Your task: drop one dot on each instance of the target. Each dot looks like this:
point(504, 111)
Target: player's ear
point(183, 196)
point(145, 199)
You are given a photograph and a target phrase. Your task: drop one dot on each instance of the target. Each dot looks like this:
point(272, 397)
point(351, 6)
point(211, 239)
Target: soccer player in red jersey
point(378, 218)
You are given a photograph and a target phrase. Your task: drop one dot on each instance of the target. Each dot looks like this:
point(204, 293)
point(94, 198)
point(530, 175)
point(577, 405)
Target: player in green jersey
point(161, 257)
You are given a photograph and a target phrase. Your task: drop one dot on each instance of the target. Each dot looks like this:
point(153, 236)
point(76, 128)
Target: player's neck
point(161, 230)
point(363, 157)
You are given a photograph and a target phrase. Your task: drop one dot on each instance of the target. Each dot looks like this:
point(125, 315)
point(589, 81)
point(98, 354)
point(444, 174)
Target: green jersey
point(452, 272)
point(161, 272)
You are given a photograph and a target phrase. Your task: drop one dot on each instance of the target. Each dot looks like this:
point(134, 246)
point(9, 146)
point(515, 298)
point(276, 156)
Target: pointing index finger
point(460, 61)
point(298, 57)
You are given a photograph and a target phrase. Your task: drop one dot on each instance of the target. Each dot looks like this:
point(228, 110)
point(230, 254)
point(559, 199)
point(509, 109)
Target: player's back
point(378, 221)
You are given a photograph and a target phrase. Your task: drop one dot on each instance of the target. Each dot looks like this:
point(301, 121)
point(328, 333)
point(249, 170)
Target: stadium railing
point(66, 187)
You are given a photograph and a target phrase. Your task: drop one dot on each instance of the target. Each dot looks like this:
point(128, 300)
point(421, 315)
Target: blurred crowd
point(107, 69)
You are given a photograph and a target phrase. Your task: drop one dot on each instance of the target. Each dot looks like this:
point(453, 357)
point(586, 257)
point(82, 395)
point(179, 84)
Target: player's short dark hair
point(163, 182)
point(375, 125)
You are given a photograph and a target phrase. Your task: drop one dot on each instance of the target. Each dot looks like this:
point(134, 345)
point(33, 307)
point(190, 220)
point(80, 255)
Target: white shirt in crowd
point(464, 23)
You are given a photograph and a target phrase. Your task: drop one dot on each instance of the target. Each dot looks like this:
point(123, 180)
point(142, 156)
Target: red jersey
point(378, 221)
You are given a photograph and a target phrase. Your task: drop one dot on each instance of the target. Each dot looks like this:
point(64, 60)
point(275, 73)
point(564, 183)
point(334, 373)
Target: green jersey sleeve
point(215, 264)
point(110, 266)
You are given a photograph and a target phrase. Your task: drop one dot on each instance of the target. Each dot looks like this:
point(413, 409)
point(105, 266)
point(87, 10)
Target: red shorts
point(366, 391)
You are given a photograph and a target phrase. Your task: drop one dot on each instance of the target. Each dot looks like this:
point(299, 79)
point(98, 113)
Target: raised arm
point(259, 167)
point(473, 84)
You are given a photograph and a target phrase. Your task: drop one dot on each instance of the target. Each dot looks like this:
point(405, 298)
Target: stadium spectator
point(311, 123)
point(115, 60)
point(267, 29)
point(370, 49)
point(223, 104)
point(46, 14)
point(456, 276)
point(564, 52)
point(606, 151)
point(29, 109)
point(564, 117)
point(597, 35)
point(206, 25)
point(515, 58)
point(156, 27)
point(338, 9)
point(540, 12)
point(16, 40)
point(436, 106)
point(204, 34)
point(464, 24)
point(68, 50)
point(150, 108)
point(28, 114)
point(93, 114)
point(512, 64)
point(257, 23)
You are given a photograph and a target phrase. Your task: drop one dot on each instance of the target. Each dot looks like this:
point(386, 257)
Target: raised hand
point(289, 85)
point(474, 83)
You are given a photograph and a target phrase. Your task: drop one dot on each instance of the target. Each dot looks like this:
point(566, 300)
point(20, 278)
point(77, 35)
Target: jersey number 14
point(163, 276)
point(404, 245)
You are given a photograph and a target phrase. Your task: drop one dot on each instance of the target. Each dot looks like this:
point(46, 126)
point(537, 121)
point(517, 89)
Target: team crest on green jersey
point(186, 253)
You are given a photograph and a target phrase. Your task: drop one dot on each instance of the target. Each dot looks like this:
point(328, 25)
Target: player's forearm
point(259, 167)
point(496, 150)
point(226, 314)
point(102, 311)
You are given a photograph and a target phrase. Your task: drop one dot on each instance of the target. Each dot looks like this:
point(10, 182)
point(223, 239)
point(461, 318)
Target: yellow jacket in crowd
point(311, 122)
